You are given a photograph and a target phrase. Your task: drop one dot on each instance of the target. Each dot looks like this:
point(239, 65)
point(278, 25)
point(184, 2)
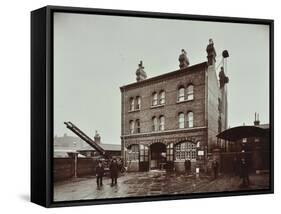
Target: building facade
point(173, 117)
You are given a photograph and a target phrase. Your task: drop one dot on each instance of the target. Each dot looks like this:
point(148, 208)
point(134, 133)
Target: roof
point(187, 70)
point(111, 147)
point(239, 132)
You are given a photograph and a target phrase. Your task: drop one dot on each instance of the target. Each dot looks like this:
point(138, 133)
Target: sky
point(94, 55)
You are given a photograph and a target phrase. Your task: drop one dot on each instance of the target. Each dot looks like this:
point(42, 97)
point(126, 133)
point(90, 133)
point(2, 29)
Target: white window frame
point(190, 119)
point(181, 94)
point(190, 92)
point(181, 120)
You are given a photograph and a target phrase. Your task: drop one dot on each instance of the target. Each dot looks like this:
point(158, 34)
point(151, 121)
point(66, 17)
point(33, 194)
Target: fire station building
point(175, 116)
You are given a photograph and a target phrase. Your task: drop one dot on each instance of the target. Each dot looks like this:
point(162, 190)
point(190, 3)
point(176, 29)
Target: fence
point(64, 168)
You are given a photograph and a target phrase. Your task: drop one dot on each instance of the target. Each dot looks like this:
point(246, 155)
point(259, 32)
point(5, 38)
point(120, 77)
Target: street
point(154, 182)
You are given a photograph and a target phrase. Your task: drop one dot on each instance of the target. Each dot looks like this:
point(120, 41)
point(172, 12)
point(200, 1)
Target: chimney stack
point(141, 75)
point(184, 62)
point(257, 121)
point(97, 137)
point(211, 53)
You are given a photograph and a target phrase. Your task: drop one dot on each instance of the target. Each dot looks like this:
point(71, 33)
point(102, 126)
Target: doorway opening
point(158, 156)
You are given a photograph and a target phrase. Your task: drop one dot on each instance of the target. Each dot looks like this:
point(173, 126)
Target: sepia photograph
point(147, 107)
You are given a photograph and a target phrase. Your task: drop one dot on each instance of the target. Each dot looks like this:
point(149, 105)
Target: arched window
point(138, 106)
point(181, 120)
point(181, 94)
point(189, 119)
point(154, 124)
point(137, 126)
point(185, 150)
point(162, 123)
point(132, 104)
point(190, 92)
point(154, 99)
point(162, 98)
point(132, 127)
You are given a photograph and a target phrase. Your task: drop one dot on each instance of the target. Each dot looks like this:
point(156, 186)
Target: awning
point(239, 132)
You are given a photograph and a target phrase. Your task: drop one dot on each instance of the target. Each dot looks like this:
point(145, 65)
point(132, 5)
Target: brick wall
point(171, 108)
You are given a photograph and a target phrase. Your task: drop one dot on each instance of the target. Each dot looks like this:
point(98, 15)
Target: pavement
point(154, 182)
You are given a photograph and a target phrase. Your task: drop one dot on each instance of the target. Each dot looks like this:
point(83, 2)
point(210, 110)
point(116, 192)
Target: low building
point(65, 145)
point(251, 142)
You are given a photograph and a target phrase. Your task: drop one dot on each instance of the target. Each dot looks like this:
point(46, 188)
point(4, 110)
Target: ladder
point(86, 138)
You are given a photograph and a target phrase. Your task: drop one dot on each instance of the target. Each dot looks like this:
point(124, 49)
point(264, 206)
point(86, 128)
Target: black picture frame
point(42, 103)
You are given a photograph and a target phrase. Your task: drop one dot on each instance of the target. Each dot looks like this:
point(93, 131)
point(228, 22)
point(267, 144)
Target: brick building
point(175, 116)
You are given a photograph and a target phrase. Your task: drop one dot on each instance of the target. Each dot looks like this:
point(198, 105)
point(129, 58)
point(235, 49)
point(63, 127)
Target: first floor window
point(181, 120)
point(132, 126)
point(190, 119)
point(185, 150)
point(137, 126)
point(162, 123)
point(154, 124)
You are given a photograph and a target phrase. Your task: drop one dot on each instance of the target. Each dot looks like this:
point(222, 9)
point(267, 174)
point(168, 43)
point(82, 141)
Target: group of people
point(114, 169)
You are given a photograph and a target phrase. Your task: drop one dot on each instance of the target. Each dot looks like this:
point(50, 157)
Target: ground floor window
point(133, 153)
point(185, 150)
point(170, 152)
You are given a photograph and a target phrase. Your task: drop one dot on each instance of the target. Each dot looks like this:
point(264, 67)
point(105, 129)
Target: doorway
point(158, 156)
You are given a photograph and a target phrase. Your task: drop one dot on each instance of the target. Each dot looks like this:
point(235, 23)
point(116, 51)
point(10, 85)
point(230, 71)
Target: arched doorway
point(157, 156)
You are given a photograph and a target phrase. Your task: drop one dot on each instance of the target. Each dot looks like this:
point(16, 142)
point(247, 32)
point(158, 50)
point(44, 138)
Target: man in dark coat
point(113, 172)
point(187, 165)
point(215, 167)
point(99, 173)
point(244, 173)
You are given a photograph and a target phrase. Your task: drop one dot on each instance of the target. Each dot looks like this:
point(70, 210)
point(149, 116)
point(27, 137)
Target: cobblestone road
point(150, 183)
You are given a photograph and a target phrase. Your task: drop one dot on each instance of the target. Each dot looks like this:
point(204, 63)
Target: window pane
point(181, 94)
point(181, 120)
point(190, 93)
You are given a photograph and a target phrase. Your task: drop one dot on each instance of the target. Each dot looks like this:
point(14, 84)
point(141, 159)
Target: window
point(162, 123)
point(181, 94)
point(132, 126)
point(181, 120)
point(144, 155)
point(170, 152)
point(185, 150)
point(162, 97)
point(244, 140)
point(190, 92)
point(257, 140)
point(138, 106)
point(154, 124)
point(154, 99)
point(137, 126)
point(190, 119)
point(132, 104)
point(133, 153)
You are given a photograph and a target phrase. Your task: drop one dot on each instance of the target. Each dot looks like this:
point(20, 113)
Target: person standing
point(187, 165)
point(99, 173)
point(244, 173)
point(215, 167)
point(113, 172)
